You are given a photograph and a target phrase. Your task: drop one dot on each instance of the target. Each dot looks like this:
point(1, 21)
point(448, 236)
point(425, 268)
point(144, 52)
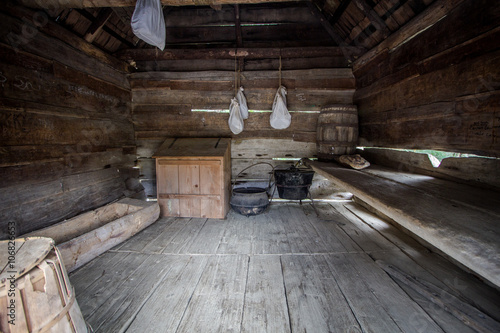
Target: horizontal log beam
point(60, 4)
point(231, 53)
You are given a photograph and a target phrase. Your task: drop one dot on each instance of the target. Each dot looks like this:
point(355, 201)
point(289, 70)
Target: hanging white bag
point(235, 120)
point(243, 103)
point(280, 117)
point(148, 22)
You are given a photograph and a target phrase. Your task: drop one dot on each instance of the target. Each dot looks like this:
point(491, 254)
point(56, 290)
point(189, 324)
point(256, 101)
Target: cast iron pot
point(293, 183)
point(249, 200)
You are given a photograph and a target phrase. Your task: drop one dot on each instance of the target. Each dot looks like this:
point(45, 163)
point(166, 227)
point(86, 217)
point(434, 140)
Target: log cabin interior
point(99, 127)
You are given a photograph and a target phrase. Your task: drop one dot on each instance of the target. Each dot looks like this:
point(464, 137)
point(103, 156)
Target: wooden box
point(193, 177)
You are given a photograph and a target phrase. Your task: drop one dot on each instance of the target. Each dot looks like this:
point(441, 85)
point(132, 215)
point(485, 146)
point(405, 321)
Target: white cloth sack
point(148, 23)
point(235, 120)
point(243, 103)
point(280, 117)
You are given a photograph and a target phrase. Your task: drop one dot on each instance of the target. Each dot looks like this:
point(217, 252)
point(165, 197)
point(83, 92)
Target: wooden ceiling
point(202, 24)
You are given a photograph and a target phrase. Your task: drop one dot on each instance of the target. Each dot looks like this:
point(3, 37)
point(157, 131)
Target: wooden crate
point(193, 177)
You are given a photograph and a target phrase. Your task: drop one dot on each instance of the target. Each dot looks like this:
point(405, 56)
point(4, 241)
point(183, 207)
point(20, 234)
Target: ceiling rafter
point(105, 28)
point(61, 4)
point(370, 13)
point(339, 12)
point(237, 26)
point(328, 26)
point(98, 24)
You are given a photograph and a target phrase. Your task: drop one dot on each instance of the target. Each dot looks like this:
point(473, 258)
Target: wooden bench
point(460, 220)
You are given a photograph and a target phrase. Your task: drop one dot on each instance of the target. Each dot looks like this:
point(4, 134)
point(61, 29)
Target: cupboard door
point(211, 188)
point(189, 183)
point(168, 183)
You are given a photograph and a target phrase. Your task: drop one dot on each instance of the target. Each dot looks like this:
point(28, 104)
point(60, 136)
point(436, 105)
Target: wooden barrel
point(35, 289)
point(337, 131)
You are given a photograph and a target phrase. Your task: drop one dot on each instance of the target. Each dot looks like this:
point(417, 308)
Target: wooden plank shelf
point(445, 214)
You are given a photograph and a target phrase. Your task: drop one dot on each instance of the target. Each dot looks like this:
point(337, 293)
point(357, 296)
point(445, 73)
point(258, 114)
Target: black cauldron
point(293, 183)
point(249, 200)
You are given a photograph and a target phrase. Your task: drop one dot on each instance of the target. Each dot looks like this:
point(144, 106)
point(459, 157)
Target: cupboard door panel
point(167, 179)
point(190, 207)
point(169, 207)
point(210, 179)
point(194, 177)
point(168, 183)
point(189, 179)
point(211, 208)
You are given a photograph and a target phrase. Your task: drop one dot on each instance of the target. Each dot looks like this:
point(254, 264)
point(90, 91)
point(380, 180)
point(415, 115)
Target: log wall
point(65, 123)
point(435, 84)
point(163, 104)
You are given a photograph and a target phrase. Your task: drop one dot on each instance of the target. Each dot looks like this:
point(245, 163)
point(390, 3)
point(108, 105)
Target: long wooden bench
point(460, 220)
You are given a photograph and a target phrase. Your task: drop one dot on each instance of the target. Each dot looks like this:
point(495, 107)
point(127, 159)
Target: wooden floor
point(283, 271)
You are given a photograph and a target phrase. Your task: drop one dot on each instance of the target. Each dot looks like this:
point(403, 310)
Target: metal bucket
point(293, 183)
point(250, 200)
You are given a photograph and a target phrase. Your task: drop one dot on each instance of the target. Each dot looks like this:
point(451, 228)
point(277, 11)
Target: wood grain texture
point(53, 29)
point(191, 177)
point(165, 308)
point(247, 53)
point(475, 171)
point(47, 46)
point(439, 220)
point(430, 267)
point(126, 3)
point(311, 296)
point(440, 97)
point(65, 109)
point(217, 302)
point(92, 238)
point(162, 101)
point(257, 282)
point(265, 307)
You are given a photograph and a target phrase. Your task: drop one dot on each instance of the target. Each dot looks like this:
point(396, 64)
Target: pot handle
point(248, 167)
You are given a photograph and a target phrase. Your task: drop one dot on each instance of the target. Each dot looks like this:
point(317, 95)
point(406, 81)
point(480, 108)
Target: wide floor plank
point(315, 301)
point(109, 283)
point(207, 241)
point(165, 309)
point(217, 302)
point(238, 236)
point(367, 308)
point(120, 308)
point(265, 302)
point(139, 241)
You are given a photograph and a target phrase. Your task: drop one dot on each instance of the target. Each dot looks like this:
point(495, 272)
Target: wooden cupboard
point(193, 177)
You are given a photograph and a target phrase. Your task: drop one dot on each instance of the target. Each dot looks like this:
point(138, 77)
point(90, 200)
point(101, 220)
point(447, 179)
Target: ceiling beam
point(61, 4)
point(237, 26)
point(239, 36)
point(97, 25)
point(377, 22)
point(318, 14)
point(339, 11)
point(231, 53)
point(343, 46)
